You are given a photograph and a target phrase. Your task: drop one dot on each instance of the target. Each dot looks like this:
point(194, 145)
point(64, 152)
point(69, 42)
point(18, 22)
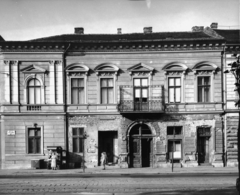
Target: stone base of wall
point(217, 164)
point(16, 166)
point(190, 164)
point(232, 164)
point(123, 165)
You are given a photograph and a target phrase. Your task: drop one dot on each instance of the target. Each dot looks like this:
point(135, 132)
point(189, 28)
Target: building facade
point(231, 97)
point(146, 99)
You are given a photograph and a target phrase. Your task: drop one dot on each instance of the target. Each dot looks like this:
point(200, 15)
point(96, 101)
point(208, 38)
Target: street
point(119, 184)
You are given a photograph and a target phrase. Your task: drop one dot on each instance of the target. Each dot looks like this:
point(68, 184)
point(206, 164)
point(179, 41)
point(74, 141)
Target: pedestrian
point(49, 160)
point(54, 161)
point(103, 160)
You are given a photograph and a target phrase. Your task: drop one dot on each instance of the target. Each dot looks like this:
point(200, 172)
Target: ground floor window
point(34, 140)
point(174, 149)
point(77, 136)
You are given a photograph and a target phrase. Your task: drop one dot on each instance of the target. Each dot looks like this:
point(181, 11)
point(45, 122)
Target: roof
point(1, 39)
point(231, 36)
point(126, 37)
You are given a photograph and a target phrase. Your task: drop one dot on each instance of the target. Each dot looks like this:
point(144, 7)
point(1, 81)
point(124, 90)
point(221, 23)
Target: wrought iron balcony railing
point(137, 106)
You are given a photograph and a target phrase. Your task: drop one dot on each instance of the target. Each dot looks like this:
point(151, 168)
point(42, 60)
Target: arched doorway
point(140, 146)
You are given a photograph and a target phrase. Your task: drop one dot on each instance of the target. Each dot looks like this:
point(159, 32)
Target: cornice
point(48, 47)
point(232, 48)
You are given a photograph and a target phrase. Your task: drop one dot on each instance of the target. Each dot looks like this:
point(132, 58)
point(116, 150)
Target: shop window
point(34, 140)
point(174, 149)
point(77, 91)
point(174, 89)
point(203, 89)
point(34, 91)
point(77, 136)
point(107, 96)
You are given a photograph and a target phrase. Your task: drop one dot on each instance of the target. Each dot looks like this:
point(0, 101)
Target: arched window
point(34, 91)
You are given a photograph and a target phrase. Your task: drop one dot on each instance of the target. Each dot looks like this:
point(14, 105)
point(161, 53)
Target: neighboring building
point(231, 116)
point(140, 97)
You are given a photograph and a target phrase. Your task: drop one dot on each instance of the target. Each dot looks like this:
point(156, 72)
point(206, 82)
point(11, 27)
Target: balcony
point(133, 106)
point(151, 99)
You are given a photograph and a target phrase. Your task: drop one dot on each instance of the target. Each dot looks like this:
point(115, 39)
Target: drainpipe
point(224, 95)
point(64, 96)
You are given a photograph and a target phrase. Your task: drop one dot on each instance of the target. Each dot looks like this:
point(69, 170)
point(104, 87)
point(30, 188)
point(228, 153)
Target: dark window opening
point(77, 136)
point(34, 140)
point(174, 130)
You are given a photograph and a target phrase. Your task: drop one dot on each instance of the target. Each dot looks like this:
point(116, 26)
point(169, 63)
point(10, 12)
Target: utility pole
point(235, 70)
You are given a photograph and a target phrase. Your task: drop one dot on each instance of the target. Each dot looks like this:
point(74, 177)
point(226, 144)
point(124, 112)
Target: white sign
point(11, 132)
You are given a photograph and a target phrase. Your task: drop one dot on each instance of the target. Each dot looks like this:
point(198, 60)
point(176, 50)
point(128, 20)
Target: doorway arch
point(140, 146)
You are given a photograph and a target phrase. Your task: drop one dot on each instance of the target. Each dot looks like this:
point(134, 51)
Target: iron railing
point(146, 106)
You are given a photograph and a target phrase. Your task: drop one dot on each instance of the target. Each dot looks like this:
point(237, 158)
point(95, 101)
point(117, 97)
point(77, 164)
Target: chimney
point(197, 28)
point(79, 30)
point(147, 30)
point(214, 25)
point(119, 31)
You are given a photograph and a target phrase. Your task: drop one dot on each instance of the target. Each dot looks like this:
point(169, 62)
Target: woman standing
point(54, 161)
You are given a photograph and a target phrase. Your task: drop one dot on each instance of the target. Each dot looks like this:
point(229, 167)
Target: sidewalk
point(118, 171)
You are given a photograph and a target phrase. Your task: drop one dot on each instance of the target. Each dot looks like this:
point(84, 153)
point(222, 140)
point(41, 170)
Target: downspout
point(64, 98)
point(224, 95)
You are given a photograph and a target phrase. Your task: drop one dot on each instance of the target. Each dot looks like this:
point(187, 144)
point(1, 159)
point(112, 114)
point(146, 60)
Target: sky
point(30, 19)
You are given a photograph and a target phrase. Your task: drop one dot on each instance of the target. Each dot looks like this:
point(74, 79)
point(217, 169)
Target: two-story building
point(146, 99)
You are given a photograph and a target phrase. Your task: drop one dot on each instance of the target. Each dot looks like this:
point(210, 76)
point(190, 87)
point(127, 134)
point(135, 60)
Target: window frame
point(203, 89)
point(174, 87)
point(34, 87)
point(107, 87)
point(27, 128)
point(84, 90)
point(80, 138)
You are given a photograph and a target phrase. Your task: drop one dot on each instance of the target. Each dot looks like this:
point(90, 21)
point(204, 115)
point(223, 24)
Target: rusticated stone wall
point(232, 143)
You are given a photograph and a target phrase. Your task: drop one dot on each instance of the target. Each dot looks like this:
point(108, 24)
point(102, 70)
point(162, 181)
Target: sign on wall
point(12, 132)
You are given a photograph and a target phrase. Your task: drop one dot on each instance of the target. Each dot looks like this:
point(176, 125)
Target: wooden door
point(203, 149)
point(136, 152)
point(146, 145)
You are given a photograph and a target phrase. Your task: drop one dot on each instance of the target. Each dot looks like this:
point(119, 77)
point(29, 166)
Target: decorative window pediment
point(175, 68)
point(205, 68)
point(140, 69)
point(106, 69)
point(77, 70)
point(33, 69)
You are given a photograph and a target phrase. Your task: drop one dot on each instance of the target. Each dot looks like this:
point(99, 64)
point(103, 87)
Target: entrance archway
point(140, 146)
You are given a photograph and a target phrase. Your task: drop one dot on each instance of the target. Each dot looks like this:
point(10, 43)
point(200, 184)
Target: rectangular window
point(77, 91)
point(174, 149)
point(34, 140)
point(77, 135)
point(107, 91)
point(174, 90)
point(203, 89)
point(174, 130)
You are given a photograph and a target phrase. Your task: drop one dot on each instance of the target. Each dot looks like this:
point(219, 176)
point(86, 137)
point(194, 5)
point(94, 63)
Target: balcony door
point(141, 94)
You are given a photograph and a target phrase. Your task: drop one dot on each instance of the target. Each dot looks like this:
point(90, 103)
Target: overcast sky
point(29, 19)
